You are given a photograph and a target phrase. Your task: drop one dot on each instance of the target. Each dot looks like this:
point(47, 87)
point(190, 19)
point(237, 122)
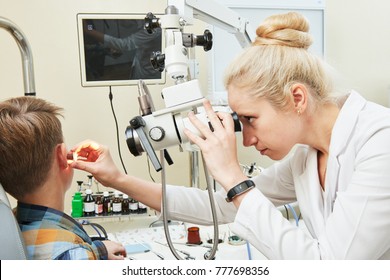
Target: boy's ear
point(61, 153)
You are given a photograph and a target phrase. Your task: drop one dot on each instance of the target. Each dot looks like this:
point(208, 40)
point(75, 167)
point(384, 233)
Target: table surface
point(134, 230)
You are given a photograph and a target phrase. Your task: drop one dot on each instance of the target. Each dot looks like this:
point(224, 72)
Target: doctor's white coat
point(349, 220)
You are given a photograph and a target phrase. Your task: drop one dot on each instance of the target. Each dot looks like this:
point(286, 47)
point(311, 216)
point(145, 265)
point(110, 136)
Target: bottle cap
point(125, 196)
point(105, 193)
point(88, 191)
point(77, 194)
point(116, 194)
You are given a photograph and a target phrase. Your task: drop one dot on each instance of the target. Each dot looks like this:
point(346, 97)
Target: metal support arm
point(25, 50)
point(214, 13)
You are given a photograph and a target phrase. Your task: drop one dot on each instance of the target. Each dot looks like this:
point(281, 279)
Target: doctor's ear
point(299, 94)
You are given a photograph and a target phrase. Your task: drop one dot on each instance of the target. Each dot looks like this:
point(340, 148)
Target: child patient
point(35, 171)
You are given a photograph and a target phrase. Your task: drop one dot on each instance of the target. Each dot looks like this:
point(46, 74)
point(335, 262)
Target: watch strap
point(239, 189)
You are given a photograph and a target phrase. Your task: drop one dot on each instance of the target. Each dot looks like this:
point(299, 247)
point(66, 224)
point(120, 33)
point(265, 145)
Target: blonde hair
point(29, 132)
point(277, 59)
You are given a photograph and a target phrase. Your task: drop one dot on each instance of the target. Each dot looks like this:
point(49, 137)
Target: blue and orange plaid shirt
point(51, 234)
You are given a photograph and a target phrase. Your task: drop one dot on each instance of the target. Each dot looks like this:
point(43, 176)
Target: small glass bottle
point(142, 208)
point(89, 204)
point(80, 186)
point(99, 206)
point(106, 204)
point(116, 204)
point(125, 205)
point(77, 205)
point(133, 206)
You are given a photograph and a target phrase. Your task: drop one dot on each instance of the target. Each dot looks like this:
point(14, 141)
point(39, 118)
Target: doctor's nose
point(248, 138)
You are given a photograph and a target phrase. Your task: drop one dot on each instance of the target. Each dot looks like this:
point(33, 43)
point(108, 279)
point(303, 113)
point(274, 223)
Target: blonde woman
point(338, 171)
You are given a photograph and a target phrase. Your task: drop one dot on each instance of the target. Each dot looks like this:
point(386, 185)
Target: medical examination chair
point(11, 240)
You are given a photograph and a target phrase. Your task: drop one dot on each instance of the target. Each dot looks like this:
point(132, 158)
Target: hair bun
point(289, 29)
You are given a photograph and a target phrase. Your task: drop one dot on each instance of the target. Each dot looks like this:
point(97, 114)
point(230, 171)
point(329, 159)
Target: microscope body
point(158, 130)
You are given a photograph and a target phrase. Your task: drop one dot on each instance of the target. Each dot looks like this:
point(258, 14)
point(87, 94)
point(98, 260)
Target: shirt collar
point(345, 123)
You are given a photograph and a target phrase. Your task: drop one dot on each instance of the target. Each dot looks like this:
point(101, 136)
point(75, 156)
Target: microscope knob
point(151, 23)
point(206, 40)
point(158, 61)
point(157, 133)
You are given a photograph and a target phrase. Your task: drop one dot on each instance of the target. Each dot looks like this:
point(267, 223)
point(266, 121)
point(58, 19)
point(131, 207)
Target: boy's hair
point(29, 132)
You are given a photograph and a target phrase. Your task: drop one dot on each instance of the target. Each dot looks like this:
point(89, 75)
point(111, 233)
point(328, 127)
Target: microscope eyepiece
point(163, 131)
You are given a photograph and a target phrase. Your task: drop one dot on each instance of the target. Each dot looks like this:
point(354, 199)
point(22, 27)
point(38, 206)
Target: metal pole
point(25, 51)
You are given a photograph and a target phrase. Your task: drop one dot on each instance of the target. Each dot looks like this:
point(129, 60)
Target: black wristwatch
point(239, 189)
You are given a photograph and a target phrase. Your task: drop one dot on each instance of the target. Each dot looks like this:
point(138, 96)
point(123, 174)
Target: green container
point(77, 205)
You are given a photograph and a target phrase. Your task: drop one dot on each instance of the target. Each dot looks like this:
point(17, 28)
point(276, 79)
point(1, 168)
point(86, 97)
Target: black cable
point(285, 207)
point(99, 230)
point(105, 235)
point(150, 173)
point(85, 222)
point(117, 130)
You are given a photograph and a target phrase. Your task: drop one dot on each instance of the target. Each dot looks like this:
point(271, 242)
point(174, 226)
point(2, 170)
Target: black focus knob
point(205, 40)
point(151, 23)
point(158, 61)
point(137, 122)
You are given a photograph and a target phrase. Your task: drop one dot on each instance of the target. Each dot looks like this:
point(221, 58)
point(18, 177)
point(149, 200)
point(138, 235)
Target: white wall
point(357, 43)
point(51, 28)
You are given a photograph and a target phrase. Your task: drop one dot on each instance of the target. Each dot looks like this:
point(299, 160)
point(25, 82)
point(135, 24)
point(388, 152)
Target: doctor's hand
point(96, 159)
point(218, 147)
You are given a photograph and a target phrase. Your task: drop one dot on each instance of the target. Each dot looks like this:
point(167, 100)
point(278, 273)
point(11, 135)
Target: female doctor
point(338, 171)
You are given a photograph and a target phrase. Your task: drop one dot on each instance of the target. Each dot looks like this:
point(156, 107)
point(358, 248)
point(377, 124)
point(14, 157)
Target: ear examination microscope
point(158, 130)
point(25, 50)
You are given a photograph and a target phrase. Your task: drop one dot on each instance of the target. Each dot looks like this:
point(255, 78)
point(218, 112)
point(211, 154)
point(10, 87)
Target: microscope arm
point(216, 14)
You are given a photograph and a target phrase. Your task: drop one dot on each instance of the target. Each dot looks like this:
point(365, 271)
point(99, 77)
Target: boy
point(35, 171)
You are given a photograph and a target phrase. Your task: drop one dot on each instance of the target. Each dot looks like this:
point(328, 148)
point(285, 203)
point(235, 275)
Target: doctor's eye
point(248, 119)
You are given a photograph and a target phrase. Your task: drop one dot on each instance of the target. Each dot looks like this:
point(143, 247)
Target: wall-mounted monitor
point(115, 50)
point(226, 47)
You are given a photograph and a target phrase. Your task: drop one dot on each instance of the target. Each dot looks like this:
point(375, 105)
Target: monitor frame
point(99, 18)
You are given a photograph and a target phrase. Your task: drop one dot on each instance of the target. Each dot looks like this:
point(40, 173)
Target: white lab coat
point(349, 220)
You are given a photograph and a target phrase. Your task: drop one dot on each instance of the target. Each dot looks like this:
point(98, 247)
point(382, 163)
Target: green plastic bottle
point(77, 205)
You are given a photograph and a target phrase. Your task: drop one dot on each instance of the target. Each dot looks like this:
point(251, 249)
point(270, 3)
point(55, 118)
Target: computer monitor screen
point(115, 50)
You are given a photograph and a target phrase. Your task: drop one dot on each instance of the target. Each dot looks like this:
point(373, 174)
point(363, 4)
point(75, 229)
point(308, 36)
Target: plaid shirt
point(51, 234)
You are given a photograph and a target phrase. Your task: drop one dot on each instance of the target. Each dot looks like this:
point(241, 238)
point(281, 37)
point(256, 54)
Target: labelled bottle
point(77, 205)
point(133, 206)
point(89, 204)
point(99, 206)
point(142, 208)
point(106, 204)
point(125, 205)
point(116, 204)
